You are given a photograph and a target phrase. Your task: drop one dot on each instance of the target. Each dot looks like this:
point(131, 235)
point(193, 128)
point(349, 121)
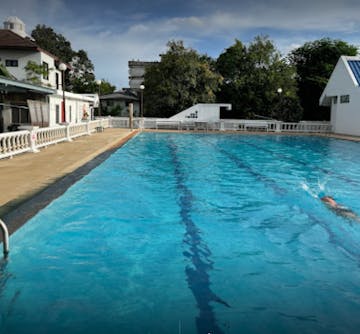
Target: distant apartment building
point(137, 70)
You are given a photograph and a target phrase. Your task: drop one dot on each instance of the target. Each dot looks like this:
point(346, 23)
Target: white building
point(17, 50)
point(342, 95)
point(202, 112)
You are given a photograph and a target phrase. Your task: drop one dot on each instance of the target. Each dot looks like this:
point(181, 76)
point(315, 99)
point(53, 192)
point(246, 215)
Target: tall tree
point(81, 78)
point(81, 75)
point(314, 62)
point(181, 79)
point(52, 42)
point(252, 78)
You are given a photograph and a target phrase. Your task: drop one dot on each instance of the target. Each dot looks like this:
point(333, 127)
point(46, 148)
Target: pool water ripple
point(172, 229)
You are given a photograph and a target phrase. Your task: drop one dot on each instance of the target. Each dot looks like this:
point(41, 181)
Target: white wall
point(345, 117)
point(75, 107)
point(51, 82)
point(209, 112)
point(23, 57)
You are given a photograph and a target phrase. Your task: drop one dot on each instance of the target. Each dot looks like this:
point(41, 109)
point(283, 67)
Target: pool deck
point(28, 174)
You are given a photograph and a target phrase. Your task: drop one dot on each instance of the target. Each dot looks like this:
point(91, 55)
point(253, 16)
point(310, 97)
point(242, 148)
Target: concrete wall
point(209, 112)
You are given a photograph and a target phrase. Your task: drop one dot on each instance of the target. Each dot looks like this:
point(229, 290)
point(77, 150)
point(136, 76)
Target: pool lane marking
point(277, 155)
point(282, 191)
point(198, 253)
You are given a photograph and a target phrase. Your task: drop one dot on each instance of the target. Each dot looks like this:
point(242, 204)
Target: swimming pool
point(194, 233)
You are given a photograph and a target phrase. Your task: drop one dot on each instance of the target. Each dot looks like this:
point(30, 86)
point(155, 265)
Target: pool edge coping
point(26, 207)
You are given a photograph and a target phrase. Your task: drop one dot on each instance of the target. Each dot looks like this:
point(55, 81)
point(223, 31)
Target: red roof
point(11, 40)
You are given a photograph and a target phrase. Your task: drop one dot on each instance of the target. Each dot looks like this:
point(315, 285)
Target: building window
point(11, 63)
point(57, 113)
point(345, 99)
point(70, 114)
point(45, 70)
point(19, 115)
point(335, 98)
point(57, 80)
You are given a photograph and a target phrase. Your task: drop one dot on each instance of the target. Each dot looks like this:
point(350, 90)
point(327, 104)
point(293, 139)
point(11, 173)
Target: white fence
point(223, 125)
point(12, 143)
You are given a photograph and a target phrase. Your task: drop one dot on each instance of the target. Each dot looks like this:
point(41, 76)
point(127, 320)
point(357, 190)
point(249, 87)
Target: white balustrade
point(17, 142)
point(14, 143)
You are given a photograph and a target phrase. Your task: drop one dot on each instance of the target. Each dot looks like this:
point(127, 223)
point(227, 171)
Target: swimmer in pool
point(339, 209)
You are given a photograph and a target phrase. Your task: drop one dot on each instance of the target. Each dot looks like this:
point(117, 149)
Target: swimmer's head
point(329, 200)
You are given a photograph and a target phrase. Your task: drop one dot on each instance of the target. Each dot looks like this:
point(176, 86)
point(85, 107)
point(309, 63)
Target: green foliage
point(252, 76)
point(52, 42)
point(106, 87)
point(81, 78)
point(112, 111)
point(4, 72)
point(181, 79)
point(34, 71)
point(314, 62)
point(81, 75)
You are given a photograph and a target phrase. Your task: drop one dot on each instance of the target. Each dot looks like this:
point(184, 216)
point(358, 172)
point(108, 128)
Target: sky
point(116, 31)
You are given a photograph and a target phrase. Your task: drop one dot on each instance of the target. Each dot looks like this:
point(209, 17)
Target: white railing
point(12, 143)
point(222, 125)
point(47, 136)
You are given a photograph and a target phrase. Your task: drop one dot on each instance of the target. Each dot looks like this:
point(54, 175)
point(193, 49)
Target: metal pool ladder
point(5, 234)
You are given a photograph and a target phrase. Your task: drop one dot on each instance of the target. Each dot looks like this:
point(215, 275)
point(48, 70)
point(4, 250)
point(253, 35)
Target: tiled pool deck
point(28, 174)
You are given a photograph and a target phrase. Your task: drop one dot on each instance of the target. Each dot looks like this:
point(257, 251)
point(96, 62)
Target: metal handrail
point(5, 234)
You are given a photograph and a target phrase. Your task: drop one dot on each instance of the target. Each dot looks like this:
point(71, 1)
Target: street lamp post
point(99, 84)
point(62, 68)
point(142, 87)
point(278, 123)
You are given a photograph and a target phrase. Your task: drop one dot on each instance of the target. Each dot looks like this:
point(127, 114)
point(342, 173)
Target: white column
point(33, 138)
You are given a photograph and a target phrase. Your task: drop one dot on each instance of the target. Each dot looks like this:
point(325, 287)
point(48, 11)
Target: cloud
point(140, 29)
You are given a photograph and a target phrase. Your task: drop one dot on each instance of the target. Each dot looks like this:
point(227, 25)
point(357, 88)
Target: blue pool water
point(194, 234)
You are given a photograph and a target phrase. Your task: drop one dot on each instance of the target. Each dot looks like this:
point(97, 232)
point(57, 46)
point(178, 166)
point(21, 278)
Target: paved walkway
point(27, 174)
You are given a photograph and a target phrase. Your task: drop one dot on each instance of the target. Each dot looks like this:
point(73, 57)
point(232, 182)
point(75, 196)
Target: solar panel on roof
point(355, 68)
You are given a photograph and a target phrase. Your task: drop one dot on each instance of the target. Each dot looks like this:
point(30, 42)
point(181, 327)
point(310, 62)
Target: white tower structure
point(14, 24)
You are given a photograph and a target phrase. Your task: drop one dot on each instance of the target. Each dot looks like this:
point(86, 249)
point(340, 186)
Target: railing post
point(33, 140)
point(278, 126)
point(88, 128)
point(67, 130)
point(222, 127)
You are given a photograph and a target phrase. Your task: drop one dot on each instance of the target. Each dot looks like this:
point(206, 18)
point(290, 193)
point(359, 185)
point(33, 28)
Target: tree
point(181, 79)
point(52, 42)
point(106, 87)
point(35, 71)
point(81, 78)
point(81, 75)
point(314, 62)
point(252, 77)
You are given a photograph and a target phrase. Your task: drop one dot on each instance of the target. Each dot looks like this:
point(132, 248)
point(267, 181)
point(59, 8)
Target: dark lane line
point(270, 183)
point(298, 161)
point(198, 253)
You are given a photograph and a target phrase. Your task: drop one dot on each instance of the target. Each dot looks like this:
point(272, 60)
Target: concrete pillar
point(33, 137)
point(131, 116)
point(67, 130)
